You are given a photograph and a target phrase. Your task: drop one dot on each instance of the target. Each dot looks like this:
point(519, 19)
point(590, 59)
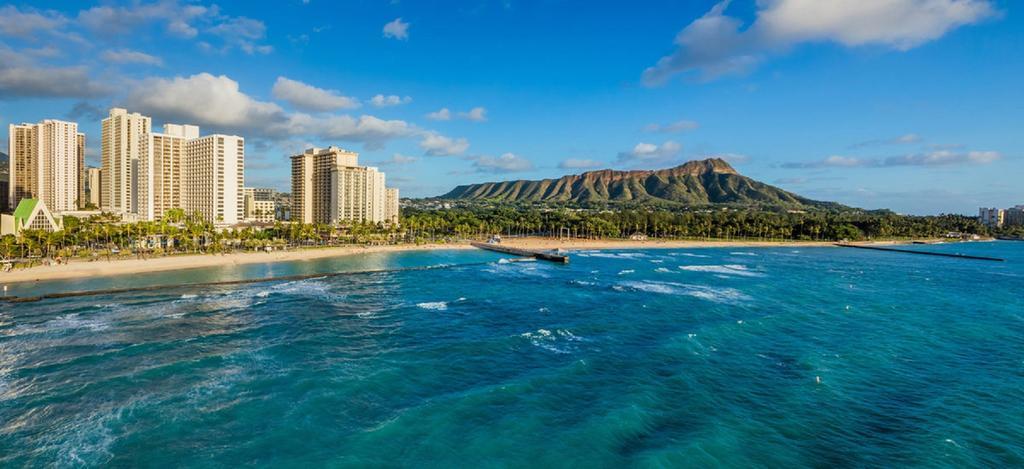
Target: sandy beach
point(79, 269)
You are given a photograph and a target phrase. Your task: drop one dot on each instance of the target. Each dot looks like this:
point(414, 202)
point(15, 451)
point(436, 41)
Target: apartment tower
point(120, 152)
point(44, 163)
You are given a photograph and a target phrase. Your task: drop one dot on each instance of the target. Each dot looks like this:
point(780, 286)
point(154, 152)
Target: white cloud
point(477, 114)
point(577, 163)
point(442, 114)
point(310, 98)
point(506, 163)
point(672, 128)
point(397, 29)
point(118, 21)
point(22, 24)
point(398, 159)
point(127, 56)
point(900, 140)
point(390, 100)
point(651, 153)
point(204, 99)
point(934, 158)
point(243, 33)
point(22, 78)
point(716, 45)
point(370, 130)
point(435, 144)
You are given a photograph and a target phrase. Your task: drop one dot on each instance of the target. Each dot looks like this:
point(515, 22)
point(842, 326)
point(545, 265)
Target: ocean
point(729, 357)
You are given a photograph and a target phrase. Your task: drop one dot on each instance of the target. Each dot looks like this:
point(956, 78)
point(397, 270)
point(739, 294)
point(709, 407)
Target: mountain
point(704, 182)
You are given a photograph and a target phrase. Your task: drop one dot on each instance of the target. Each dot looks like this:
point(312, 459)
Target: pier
point(923, 253)
point(539, 255)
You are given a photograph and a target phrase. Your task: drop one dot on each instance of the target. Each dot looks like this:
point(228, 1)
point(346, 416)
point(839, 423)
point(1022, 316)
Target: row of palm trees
point(178, 232)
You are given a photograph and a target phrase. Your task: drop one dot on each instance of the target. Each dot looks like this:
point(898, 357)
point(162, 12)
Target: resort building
point(30, 214)
point(213, 171)
point(260, 204)
point(391, 209)
point(329, 186)
point(992, 217)
point(93, 187)
point(120, 152)
point(44, 163)
point(160, 175)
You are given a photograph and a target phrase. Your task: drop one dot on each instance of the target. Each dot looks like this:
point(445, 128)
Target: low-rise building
point(260, 204)
point(31, 214)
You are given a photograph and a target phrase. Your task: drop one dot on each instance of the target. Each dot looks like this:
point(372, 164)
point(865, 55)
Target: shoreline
point(102, 268)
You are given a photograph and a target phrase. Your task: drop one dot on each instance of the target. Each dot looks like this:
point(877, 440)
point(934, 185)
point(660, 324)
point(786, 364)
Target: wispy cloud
point(651, 153)
point(717, 44)
point(442, 114)
point(390, 100)
point(506, 163)
point(310, 98)
point(580, 163)
point(904, 139)
point(127, 56)
point(477, 114)
point(934, 158)
point(396, 29)
point(673, 127)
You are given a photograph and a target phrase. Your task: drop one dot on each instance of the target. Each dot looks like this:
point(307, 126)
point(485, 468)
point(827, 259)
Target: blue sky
point(913, 105)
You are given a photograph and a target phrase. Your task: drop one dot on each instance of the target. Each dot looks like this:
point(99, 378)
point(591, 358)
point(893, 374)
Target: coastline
point(102, 268)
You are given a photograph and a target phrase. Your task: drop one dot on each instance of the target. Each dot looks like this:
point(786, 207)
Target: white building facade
point(121, 143)
point(214, 176)
point(44, 163)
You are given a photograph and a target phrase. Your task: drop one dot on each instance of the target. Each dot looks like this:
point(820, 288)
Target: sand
point(79, 269)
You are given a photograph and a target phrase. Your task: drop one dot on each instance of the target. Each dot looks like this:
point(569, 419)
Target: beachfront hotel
point(160, 170)
point(213, 171)
point(329, 186)
point(45, 163)
point(122, 137)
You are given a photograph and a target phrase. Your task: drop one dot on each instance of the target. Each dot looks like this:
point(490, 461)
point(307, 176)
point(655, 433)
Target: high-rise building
point(329, 186)
point(214, 176)
point(43, 163)
point(1015, 216)
point(81, 170)
point(93, 186)
point(391, 210)
point(992, 217)
point(160, 177)
point(120, 153)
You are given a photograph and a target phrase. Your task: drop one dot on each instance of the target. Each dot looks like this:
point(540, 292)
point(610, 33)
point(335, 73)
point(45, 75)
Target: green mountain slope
point(705, 182)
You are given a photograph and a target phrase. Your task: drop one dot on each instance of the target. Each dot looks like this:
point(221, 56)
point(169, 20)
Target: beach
point(81, 269)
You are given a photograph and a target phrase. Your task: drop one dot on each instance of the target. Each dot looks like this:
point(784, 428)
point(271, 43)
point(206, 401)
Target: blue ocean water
point(735, 357)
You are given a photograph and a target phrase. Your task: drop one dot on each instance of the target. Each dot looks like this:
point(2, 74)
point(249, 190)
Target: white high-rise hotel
point(45, 164)
point(121, 149)
point(329, 186)
point(173, 169)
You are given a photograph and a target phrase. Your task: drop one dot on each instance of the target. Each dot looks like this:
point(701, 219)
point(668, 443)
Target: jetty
point(923, 253)
point(539, 255)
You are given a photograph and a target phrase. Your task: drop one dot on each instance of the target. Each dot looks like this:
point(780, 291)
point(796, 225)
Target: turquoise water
point(682, 357)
